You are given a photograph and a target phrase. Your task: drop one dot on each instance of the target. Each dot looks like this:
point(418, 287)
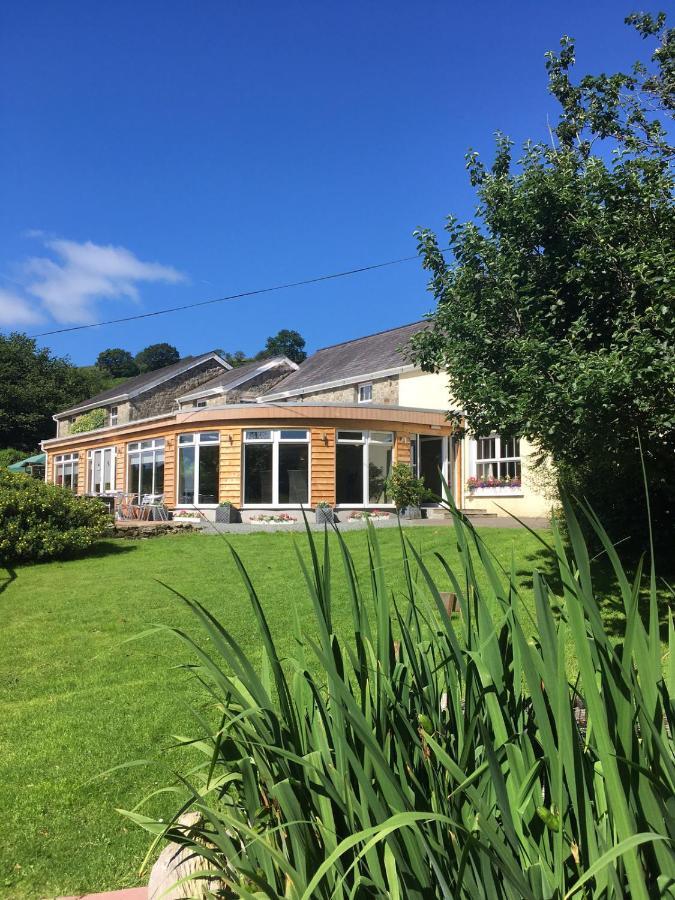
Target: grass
point(78, 700)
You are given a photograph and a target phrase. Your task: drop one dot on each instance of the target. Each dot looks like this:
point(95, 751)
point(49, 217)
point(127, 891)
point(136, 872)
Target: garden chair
point(153, 509)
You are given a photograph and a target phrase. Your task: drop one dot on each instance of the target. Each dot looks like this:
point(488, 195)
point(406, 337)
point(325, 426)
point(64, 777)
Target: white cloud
point(17, 311)
point(82, 274)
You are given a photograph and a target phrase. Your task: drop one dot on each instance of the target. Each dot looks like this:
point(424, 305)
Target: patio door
point(101, 470)
point(430, 457)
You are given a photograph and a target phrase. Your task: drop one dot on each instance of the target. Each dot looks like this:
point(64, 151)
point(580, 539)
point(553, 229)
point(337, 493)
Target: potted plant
point(325, 514)
point(406, 490)
point(227, 513)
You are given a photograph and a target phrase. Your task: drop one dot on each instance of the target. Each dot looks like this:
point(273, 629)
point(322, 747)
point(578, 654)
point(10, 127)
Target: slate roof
point(139, 383)
point(355, 359)
point(237, 374)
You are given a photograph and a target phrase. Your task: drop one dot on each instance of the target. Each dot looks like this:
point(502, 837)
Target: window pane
point(186, 439)
point(349, 472)
point(159, 472)
point(350, 435)
point(381, 437)
point(510, 447)
point(509, 469)
point(146, 472)
point(293, 473)
point(186, 475)
point(107, 470)
point(379, 467)
point(485, 448)
point(209, 437)
point(258, 473)
point(134, 473)
point(257, 435)
point(292, 435)
point(208, 474)
point(486, 470)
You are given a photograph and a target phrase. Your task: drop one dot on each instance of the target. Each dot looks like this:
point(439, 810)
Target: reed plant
point(436, 755)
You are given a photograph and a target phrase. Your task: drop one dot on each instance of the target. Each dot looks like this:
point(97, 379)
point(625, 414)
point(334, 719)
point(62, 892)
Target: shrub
point(404, 488)
point(9, 455)
point(41, 521)
point(450, 763)
point(89, 421)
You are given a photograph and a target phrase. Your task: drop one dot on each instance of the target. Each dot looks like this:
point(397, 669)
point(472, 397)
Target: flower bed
point(360, 514)
point(187, 515)
point(494, 485)
point(273, 519)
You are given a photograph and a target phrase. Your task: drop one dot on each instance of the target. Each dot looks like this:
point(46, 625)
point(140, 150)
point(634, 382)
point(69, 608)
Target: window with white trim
point(496, 462)
point(198, 468)
point(363, 462)
point(145, 467)
point(276, 466)
point(199, 404)
point(101, 470)
point(113, 415)
point(365, 393)
point(66, 470)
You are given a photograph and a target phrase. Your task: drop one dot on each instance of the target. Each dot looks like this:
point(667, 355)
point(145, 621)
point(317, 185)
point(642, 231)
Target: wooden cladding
point(322, 465)
point(230, 465)
point(402, 451)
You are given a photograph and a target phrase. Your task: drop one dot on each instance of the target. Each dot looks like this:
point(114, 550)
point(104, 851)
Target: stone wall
point(385, 390)
point(162, 398)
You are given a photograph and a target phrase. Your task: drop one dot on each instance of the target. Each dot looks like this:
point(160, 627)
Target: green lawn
point(77, 700)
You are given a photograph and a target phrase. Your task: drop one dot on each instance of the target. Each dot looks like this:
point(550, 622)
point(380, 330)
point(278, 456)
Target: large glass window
point(65, 470)
point(276, 467)
point(497, 458)
point(198, 467)
point(101, 470)
point(362, 465)
point(146, 467)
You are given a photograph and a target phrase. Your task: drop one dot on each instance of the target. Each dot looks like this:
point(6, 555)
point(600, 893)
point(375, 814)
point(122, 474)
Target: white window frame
point(366, 441)
point(199, 404)
point(447, 460)
point(113, 415)
point(65, 461)
point(196, 439)
point(138, 448)
point(475, 462)
point(91, 463)
point(366, 388)
point(275, 439)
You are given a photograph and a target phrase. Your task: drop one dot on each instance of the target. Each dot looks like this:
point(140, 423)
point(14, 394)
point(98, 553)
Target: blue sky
point(158, 153)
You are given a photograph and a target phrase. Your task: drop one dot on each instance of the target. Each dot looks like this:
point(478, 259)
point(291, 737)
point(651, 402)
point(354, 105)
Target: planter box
point(496, 492)
point(227, 515)
point(411, 512)
point(325, 515)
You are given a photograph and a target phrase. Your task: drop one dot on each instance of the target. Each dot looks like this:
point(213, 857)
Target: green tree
point(33, 386)
point(554, 315)
point(285, 343)
point(236, 359)
point(117, 362)
point(157, 356)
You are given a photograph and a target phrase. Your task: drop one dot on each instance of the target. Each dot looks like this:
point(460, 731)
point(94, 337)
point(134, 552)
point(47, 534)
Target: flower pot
point(325, 515)
point(226, 515)
point(412, 512)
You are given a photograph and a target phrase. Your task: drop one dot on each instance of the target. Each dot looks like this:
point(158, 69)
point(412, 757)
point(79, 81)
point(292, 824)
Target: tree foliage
point(286, 342)
point(554, 317)
point(157, 356)
point(34, 385)
point(117, 362)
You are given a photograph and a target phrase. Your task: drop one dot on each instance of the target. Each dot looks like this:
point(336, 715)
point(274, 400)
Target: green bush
point(89, 421)
point(10, 455)
point(452, 763)
point(404, 488)
point(41, 521)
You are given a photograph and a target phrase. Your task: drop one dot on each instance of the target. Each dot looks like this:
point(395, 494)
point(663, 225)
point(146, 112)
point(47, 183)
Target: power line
point(231, 297)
